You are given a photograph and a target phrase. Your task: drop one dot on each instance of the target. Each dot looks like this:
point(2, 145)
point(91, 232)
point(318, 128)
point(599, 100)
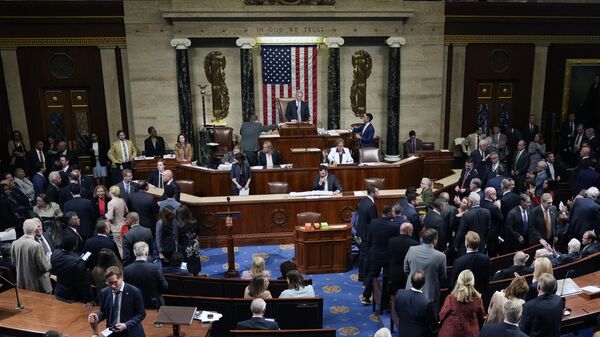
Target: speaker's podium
point(320, 251)
point(297, 129)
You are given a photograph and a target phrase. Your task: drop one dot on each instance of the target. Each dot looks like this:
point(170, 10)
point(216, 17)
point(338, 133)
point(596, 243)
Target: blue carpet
point(342, 309)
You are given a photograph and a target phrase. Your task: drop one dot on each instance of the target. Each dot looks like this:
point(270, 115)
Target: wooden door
point(66, 114)
point(494, 104)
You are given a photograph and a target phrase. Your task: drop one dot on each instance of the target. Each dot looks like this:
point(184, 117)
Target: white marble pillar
point(15, 92)
point(127, 87)
point(111, 91)
point(538, 81)
point(459, 55)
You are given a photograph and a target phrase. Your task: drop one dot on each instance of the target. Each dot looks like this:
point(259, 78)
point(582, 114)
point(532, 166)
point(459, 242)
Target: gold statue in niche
point(362, 64)
point(214, 67)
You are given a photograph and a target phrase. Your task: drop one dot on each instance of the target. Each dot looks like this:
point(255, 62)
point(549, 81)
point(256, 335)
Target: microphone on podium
point(19, 306)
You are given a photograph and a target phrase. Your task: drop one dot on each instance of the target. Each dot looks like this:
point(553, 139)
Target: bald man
point(397, 248)
point(170, 181)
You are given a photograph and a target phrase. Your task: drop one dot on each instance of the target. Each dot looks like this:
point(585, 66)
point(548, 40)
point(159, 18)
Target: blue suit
point(415, 313)
point(367, 135)
point(132, 310)
point(85, 211)
point(39, 184)
point(501, 330)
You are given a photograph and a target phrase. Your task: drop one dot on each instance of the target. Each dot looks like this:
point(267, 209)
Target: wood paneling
point(519, 71)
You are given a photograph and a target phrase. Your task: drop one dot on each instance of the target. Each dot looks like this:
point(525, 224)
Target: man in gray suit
point(135, 234)
point(431, 262)
point(250, 131)
point(413, 144)
point(30, 262)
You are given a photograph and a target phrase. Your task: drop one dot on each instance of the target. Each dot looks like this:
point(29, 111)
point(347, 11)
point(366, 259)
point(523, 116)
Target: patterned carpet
point(342, 308)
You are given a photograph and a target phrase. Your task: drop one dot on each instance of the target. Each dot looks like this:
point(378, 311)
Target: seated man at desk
point(269, 157)
point(229, 157)
point(297, 110)
point(413, 144)
point(365, 133)
point(339, 154)
point(326, 182)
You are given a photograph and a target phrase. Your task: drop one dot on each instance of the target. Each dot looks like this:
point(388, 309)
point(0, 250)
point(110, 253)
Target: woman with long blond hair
point(515, 291)
point(462, 312)
point(541, 265)
point(115, 214)
point(256, 268)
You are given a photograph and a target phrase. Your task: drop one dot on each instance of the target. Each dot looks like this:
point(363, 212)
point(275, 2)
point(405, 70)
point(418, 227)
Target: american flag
point(285, 69)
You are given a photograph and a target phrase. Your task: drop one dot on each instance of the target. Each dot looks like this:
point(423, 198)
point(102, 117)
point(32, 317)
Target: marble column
point(333, 82)
point(247, 76)
point(16, 101)
point(538, 81)
point(111, 92)
point(184, 92)
point(392, 149)
point(459, 55)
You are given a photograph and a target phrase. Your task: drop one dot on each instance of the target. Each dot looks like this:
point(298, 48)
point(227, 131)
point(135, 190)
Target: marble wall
point(150, 25)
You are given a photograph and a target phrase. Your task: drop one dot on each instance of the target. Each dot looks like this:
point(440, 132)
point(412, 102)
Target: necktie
point(414, 145)
point(525, 221)
point(299, 110)
point(531, 128)
point(341, 155)
point(578, 140)
point(517, 159)
point(477, 141)
point(127, 188)
point(114, 311)
point(160, 180)
point(462, 185)
point(572, 129)
point(41, 156)
point(497, 138)
point(125, 152)
point(548, 223)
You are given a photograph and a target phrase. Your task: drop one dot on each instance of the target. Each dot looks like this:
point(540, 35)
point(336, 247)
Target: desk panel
point(208, 182)
point(283, 144)
point(144, 167)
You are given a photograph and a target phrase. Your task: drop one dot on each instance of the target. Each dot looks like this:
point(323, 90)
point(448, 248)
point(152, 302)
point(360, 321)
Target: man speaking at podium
point(297, 111)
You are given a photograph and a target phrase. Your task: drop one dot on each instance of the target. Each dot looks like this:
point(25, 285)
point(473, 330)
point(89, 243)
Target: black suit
point(95, 244)
point(515, 227)
point(478, 159)
point(528, 134)
point(132, 311)
point(73, 283)
point(476, 262)
point(176, 187)
point(367, 212)
point(333, 184)
point(509, 201)
point(501, 330)
point(135, 234)
point(102, 154)
point(537, 225)
point(542, 316)
point(398, 247)
point(510, 272)
point(53, 193)
point(435, 221)
point(496, 226)
point(88, 184)
point(33, 159)
point(585, 215)
point(382, 230)
point(151, 150)
point(262, 158)
point(476, 219)
point(291, 111)
point(257, 323)
point(133, 187)
point(154, 179)
point(415, 313)
point(85, 211)
point(146, 207)
point(68, 232)
point(413, 217)
point(465, 178)
point(149, 278)
point(520, 167)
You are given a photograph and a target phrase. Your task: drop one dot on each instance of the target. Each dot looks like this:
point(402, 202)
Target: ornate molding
point(396, 41)
point(279, 217)
point(246, 42)
point(181, 43)
point(333, 42)
point(346, 214)
point(63, 41)
point(542, 39)
point(209, 220)
point(289, 2)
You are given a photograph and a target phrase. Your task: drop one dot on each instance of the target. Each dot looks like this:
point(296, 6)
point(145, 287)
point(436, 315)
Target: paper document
point(245, 191)
point(207, 316)
point(567, 287)
point(591, 289)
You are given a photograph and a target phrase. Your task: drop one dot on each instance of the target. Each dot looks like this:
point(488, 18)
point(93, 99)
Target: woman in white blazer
point(334, 154)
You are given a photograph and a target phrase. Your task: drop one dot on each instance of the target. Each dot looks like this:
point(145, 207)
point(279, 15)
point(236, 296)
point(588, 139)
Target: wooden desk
point(43, 312)
point(323, 251)
point(297, 129)
point(583, 311)
point(208, 182)
point(306, 157)
point(271, 218)
point(437, 163)
point(144, 167)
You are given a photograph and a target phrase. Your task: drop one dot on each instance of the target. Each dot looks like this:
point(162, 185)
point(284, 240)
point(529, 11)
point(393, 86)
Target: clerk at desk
point(269, 157)
point(297, 110)
point(326, 182)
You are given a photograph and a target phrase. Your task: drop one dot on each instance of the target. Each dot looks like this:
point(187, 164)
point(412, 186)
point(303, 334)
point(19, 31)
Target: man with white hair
point(519, 266)
point(542, 224)
point(476, 219)
point(540, 177)
point(30, 261)
point(146, 276)
point(574, 247)
point(258, 321)
point(512, 311)
point(585, 214)
point(53, 190)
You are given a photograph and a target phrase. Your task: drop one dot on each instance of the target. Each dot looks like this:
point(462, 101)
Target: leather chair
point(325, 153)
point(222, 135)
point(186, 186)
point(277, 187)
point(310, 217)
point(428, 146)
point(368, 155)
point(377, 182)
point(282, 103)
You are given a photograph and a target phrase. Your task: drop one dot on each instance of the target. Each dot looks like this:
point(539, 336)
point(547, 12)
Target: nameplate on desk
point(169, 156)
point(224, 167)
point(303, 149)
point(212, 144)
point(147, 158)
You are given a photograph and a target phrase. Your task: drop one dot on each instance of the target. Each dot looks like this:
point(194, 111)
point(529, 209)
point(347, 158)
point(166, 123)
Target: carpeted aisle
point(342, 309)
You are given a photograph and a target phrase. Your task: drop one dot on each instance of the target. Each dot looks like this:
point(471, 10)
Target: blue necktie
point(114, 310)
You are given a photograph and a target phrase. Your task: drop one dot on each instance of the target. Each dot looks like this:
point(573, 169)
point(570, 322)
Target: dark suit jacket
point(147, 208)
point(333, 184)
point(177, 190)
point(367, 212)
point(501, 330)
point(408, 146)
point(415, 313)
point(68, 232)
point(528, 134)
point(147, 277)
point(53, 193)
point(262, 158)
point(382, 229)
point(590, 249)
point(466, 177)
point(510, 272)
point(585, 178)
point(509, 201)
point(367, 136)
point(476, 262)
point(398, 247)
point(154, 178)
point(476, 219)
point(496, 217)
point(542, 316)
point(32, 159)
point(257, 323)
point(85, 210)
point(88, 184)
point(94, 244)
point(477, 159)
point(514, 228)
point(413, 217)
point(73, 283)
point(133, 187)
point(135, 234)
point(102, 154)
point(585, 215)
point(522, 165)
point(435, 221)
point(39, 183)
point(132, 309)
point(537, 224)
point(291, 111)
point(150, 150)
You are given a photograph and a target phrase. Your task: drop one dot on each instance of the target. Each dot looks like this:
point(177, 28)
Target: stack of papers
point(204, 316)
